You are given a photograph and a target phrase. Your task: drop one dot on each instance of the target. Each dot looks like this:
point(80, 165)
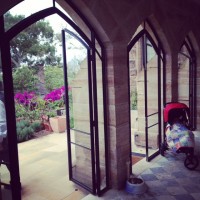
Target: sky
point(55, 21)
point(24, 8)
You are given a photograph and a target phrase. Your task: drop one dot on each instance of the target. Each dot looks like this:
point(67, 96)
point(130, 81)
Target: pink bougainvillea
point(25, 98)
point(56, 94)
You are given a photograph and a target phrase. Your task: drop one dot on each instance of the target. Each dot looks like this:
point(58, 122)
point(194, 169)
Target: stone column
point(174, 72)
point(118, 112)
point(171, 77)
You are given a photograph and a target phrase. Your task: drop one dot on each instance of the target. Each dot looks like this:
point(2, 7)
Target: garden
point(33, 112)
point(38, 78)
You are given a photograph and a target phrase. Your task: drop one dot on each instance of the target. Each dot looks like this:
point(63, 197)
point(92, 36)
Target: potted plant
point(55, 102)
point(58, 123)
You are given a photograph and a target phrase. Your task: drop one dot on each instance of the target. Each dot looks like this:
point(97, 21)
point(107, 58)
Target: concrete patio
point(44, 169)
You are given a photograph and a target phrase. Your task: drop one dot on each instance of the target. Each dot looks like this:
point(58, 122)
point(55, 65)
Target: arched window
point(85, 104)
point(146, 81)
point(187, 79)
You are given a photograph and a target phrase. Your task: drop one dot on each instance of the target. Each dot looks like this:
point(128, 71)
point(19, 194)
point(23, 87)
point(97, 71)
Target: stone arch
point(92, 42)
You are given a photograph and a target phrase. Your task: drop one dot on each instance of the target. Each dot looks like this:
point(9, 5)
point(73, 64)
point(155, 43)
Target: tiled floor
point(166, 179)
point(44, 170)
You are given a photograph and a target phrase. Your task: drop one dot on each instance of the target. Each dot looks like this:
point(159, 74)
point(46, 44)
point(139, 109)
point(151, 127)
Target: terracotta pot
point(58, 123)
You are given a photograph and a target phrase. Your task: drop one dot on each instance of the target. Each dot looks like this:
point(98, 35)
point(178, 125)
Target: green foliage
point(33, 46)
point(51, 113)
point(24, 112)
point(41, 105)
point(12, 20)
point(54, 105)
point(24, 131)
point(54, 77)
point(20, 111)
point(41, 108)
point(48, 108)
point(36, 126)
point(134, 100)
point(24, 79)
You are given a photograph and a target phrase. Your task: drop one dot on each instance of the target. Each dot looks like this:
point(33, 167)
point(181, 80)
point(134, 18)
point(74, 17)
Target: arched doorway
point(92, 149)
point(146, 81)
point(187, 79)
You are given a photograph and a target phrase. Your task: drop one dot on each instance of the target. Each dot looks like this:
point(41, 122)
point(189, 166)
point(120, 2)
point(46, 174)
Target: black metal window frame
point(9, 96)
point(192, 80)
point(144, 35)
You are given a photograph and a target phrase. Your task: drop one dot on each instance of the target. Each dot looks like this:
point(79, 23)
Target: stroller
point(178, 136)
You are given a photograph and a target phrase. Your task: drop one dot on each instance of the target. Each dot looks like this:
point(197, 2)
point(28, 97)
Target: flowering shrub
point(25, 98)
point(31, 107)
point(55, 95)
point(25, 106)
point(55, 99)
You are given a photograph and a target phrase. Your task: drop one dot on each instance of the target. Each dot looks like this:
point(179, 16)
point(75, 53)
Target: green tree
point(34, 46)
point(24, 79)
point(53, 77)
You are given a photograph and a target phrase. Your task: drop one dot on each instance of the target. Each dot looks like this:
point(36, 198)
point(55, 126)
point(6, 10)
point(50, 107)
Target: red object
point(172, 106)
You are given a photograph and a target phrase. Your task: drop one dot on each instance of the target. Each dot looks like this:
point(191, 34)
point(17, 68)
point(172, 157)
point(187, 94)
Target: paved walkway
point(44, 169)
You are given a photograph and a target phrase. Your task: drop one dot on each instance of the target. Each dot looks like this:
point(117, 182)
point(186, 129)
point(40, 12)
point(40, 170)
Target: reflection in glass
point(183, 75)
point(144, 71)
point(77, 72)
point(79, 111)
point(102, 161)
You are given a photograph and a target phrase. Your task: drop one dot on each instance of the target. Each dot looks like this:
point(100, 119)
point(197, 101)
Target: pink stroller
point(178, 136)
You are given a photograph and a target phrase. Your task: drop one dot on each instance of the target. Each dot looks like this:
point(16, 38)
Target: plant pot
point(58, 123)
point(135, 186)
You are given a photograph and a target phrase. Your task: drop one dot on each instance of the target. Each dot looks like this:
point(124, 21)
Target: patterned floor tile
point(158, 170)
point(176, 190)
point(196, 180)
point(192, 188)
point(184, 197)
point(163, 176)
point(196, 196)
point(149, 177)
point(169, 182)
point(165, 197)
point(167, 179)
point(185, 181)
point(178, 174)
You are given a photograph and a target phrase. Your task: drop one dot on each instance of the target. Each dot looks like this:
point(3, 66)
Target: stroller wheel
point(191, 162)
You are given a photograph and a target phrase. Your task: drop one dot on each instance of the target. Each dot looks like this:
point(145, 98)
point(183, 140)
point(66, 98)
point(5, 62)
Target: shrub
point(26, 106)
point(25, 98)
point(24, 131)
point(55, 95)
point(36, 126)
point(53, 77)
point(24, 79)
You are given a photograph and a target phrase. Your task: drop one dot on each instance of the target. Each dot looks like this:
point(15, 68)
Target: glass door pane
point(152, 97)
point(183, 76)
point(137, 102)
point(101, 137)
point(79, 100)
